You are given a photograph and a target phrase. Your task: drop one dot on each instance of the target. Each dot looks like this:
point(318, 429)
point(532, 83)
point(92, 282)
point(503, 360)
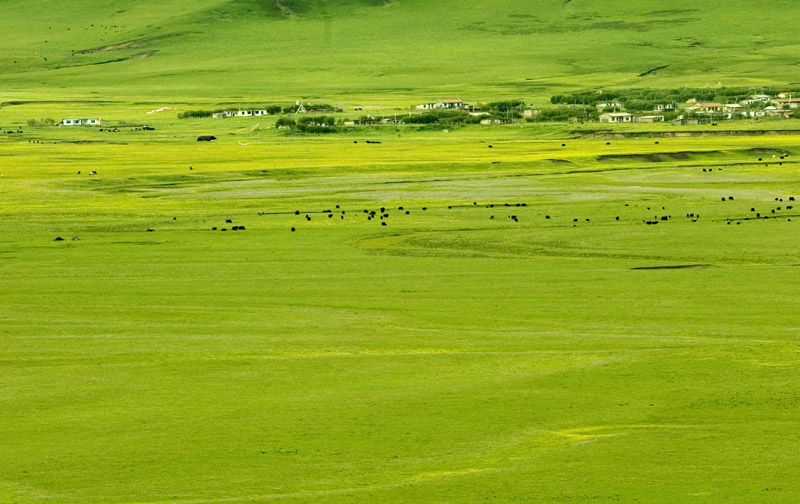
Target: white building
point(450, 103)
point(650, 119)
point(792, 103)
point(617, 117)
point(610, 105)
point(81, 122)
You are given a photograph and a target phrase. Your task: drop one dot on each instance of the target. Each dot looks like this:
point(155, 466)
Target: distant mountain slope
point(469, 48)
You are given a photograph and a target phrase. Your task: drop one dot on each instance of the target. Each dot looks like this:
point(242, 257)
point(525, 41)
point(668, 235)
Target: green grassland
point(572, 353)
point(388, 51)
point(445, 357)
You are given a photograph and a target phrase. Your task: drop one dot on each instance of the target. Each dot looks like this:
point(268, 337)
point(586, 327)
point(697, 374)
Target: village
point(692, 111)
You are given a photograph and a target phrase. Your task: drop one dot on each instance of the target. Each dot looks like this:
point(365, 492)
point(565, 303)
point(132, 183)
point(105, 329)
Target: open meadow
point(536, 312)
point(573, 353)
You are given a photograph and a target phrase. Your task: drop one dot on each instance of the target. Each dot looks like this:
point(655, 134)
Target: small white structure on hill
point(792, 103)
point(708, 108)
point(81, 122)
point(450, 103)
point(650, 119)
point(610, 105)
point(617, 117)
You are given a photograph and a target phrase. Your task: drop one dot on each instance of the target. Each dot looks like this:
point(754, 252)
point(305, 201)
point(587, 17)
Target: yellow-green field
point(444, 357)
point(527, 313)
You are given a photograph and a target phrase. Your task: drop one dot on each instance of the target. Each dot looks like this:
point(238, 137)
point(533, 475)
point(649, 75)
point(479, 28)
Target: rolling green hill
point(389, 50)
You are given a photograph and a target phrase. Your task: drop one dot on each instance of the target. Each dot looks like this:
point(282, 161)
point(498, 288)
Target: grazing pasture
point(391, 52)
point(300, 318)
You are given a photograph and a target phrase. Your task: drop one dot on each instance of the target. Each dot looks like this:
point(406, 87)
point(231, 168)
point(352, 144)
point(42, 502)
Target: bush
point(443, 117)
point(557, 114)
point(197, 114)
point(504, 106)
point(41, 122)
point(316, 121)
point(285, 122)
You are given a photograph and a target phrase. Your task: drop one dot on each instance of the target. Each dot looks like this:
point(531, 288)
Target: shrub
point(197, 114)
point(41, 122)
point(285, 122)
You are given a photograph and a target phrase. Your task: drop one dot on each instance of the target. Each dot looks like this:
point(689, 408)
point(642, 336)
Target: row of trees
point(309, 124)
point(647, 99)
point(271, 109)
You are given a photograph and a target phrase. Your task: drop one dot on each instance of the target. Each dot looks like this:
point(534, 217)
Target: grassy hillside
point(389, 51)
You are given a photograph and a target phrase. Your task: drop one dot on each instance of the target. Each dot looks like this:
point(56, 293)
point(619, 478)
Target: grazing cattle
point(617, 217)
point(656, 142)
point(213, 229)
point(791, 198)
point(330, 216)
point(490, 146)
point(293, 230)
point(407, 212)
point(424, 208)
point(399, 208)
point(491, 218)
point(752, 209)
point(547, 217)
point(150, 230)
point(207, 138)
point(297, 212)
point(228, 221)
point(730, 198)
point(383, 223)
point(58, 238)
point(190, 168)
point(92, 172)
point(608, 143)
